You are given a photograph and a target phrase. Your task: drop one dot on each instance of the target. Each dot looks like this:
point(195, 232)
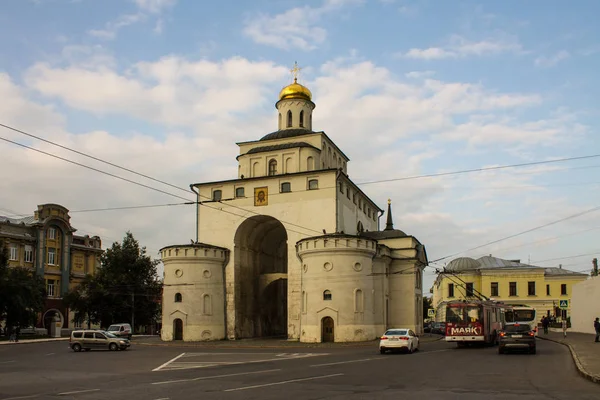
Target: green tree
point(125, 289)
point(22, 293)
point(427, 304)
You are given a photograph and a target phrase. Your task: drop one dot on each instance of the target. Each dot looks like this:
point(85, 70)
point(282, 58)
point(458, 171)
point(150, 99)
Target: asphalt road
point(437, 371)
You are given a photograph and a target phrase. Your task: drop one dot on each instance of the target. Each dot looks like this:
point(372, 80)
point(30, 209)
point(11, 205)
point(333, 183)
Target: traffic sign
point(564, 304)
point(431, 312)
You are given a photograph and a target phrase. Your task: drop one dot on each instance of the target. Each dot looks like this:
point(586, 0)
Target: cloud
point(551, 61)
point(296, 28)
point(459, 47)
point(389, 126)
point(419, 74)
point(154, 6)
point(145, 7)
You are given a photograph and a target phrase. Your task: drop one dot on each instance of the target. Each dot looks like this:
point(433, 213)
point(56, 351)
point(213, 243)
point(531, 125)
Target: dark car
point(517, 337)
point(439, 328)
point(427, 327)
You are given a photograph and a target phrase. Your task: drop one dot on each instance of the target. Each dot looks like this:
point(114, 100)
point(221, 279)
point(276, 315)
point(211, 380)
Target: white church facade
point(291, 247)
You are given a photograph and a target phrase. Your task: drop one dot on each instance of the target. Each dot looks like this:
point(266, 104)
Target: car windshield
point(517, 328)
point(113, 328)
point(397, 332)
point(110, 335)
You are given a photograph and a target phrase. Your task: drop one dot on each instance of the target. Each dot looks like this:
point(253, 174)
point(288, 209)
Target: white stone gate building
point(291, 247)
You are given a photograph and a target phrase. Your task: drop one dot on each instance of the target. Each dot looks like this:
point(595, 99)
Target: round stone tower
point(193, 306)
point(338, 289)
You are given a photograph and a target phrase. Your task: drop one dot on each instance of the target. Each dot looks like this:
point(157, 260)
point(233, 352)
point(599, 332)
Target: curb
point(580, 368)
point(243, 346)
point(33, 341)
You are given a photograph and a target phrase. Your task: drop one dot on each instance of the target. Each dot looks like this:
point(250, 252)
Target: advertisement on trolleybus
point(473, 321)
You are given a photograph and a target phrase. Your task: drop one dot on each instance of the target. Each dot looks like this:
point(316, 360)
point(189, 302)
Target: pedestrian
point(564, 327)
point(597, 328)
point(17, 333)
point(545, 324)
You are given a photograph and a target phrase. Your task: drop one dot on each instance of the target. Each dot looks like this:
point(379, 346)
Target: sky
point(405, 88)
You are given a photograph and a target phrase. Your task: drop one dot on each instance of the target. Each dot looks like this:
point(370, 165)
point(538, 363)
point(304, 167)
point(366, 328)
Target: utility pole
point(132, 312)
point(595, 270)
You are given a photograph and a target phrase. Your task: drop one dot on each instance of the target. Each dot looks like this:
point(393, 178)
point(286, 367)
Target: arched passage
point(260, 268)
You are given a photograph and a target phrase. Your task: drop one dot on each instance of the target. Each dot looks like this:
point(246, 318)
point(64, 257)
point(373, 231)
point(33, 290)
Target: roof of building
point(387, 234)
point(295, 91)
point(463, 264)
point(555, 271)
point(288, 133)
point(282, 146)
point(26, 220)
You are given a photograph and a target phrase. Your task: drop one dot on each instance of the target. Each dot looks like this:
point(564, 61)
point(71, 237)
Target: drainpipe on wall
point(337, 177)
point(192, 187)
point(378, 218)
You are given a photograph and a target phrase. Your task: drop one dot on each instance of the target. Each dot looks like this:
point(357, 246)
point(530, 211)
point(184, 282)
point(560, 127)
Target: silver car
point(97, 340)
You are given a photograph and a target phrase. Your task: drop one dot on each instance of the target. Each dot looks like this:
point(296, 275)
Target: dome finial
point(295, 71)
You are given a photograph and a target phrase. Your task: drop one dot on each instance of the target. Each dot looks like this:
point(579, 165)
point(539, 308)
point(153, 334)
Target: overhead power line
point(522, 233)
point(93, 158)
point(251, 211)
point(93, 169)
point(482, 169)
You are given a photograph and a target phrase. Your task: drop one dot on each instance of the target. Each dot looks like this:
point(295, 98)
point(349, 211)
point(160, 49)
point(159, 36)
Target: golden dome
point(295, 91)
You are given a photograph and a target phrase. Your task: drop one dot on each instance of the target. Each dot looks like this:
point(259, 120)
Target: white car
point(399, 339)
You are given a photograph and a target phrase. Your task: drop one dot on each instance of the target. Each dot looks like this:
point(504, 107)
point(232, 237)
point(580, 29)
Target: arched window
point(289, 119)
point(217, 195)
point(255, 169)
point(358, 301)
point(359, 227)
point(418, 279)
point(239, 192)
point(304, 302)
point(310, 122)
point(206, 305)
point(313, 184)
point(341, 185)
point(302, 119)
point(310, 164)
point(279, 121)
point(327, 295)
point(178, 298)
point(288, 165)
point(272, 167)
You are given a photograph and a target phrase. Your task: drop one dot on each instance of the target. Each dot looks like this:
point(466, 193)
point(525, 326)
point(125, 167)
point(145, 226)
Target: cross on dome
point(295, 71)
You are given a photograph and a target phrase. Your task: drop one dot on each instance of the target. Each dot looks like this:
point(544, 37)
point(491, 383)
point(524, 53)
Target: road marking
point(174, 364)
point(6, 362)
point(433, 351)
point(23, 397)
point(50, 354)
point(168, 362)
point(202, 378)
point(163, 398)
point(78, 391)
point(282, 382)
point(345, 362)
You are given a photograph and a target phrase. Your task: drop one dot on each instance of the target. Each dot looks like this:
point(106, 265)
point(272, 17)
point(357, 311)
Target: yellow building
point(508, 281)
point(46, 244)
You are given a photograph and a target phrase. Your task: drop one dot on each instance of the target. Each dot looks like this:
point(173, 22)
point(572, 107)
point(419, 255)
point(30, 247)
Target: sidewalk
point(584, 350)
point(41, 340)
point(265, 343)
point(60, 339)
